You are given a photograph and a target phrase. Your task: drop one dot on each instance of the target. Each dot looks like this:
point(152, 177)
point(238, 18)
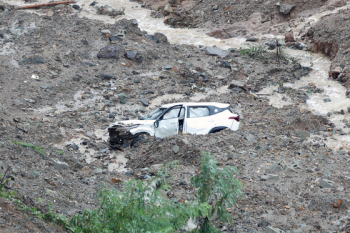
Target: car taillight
point(234, 118)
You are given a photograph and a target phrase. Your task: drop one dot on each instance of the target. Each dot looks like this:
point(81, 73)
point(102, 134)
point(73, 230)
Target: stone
point(252, 39)
point(271, 45)
point(76, 7)
point(214, 8)
point(59, 165)
point(269, 177)
point(114, 39)
point(111, 115)
point(121, 95)
point(104, 150)
point(105, 32)
point(100, 106)
point(2, 165)
point(168, 68)
point(32, 60)
point(162, 38)
point(30, 101)
point(285, 8)
point(144, 102)
point(273, 230)
point(130, 55)
point(98, 170)
point(76, 78)
point(272, 110)
point(289, 37)
point(326, 100)
point(134, 21)
point(136, 80)
point(168, 9)
point(106, 76)
point(302, 134)
point(122, 98)
point(236, 83)
point(153, 38)
point(108, 52)
point(176, 149)
point(251, 138)
point(155, 168)
point(324, 183)
point(215, 51)
point(226, 64)
point(75, 147)
point(185, 141)
point(263, 223)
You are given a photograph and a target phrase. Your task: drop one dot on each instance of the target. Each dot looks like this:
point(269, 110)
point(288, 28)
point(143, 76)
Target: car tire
point(143, 138)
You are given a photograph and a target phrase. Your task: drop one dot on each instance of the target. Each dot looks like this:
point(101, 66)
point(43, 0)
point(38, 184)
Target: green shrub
point(138, 207)
point(219, 187)
point(142, 207)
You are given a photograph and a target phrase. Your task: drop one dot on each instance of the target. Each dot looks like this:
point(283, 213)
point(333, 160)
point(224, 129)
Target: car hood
point(132, 122)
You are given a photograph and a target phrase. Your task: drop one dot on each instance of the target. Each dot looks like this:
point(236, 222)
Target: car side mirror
point(156, 124)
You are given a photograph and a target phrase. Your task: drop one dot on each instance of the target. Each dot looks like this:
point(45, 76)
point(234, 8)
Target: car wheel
point(143, 138)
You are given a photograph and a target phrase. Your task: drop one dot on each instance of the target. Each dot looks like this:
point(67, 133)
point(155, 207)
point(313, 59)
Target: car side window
point(173, 113)
point(198, 112)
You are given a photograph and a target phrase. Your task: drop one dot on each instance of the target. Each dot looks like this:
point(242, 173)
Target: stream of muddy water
point(320, 63)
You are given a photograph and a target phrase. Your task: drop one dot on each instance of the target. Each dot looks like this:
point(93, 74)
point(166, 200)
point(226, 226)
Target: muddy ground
point(65, 79)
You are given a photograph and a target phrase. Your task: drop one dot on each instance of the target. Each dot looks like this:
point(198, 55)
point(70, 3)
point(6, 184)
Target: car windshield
point(154, 114)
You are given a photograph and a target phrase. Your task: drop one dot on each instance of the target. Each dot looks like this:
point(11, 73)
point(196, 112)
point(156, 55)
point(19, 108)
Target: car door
point(168, 123)
point(198, 120)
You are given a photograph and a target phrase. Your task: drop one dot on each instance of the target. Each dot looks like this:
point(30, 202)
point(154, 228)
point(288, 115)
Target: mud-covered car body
point(171, 119)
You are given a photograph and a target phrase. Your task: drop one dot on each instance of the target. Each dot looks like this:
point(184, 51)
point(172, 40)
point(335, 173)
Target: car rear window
point(198, 112)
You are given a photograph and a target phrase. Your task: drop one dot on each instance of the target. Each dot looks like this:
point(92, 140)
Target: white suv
point(171, 119)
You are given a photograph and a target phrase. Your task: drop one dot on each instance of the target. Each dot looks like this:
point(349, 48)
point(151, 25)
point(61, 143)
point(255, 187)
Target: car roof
point(218, 105)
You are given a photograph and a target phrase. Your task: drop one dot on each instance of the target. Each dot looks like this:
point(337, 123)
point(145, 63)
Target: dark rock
point(85, 42)
point(252, 39)
point(76, 78)
point(271, 45)
point(153, 38)
point(263, 223)
point(1, 35)
point(136, 80)
point(76, 7)
point(326, 100)
point(144, 102)
point(93, 3)
point(111, 115)
point(108, 52)
point(134, 22)
point(226, 65)
point(75, 147)
point(32, 60)
point(106, 76)
point(130, 55)
point(162, 38)
point(115, 38)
